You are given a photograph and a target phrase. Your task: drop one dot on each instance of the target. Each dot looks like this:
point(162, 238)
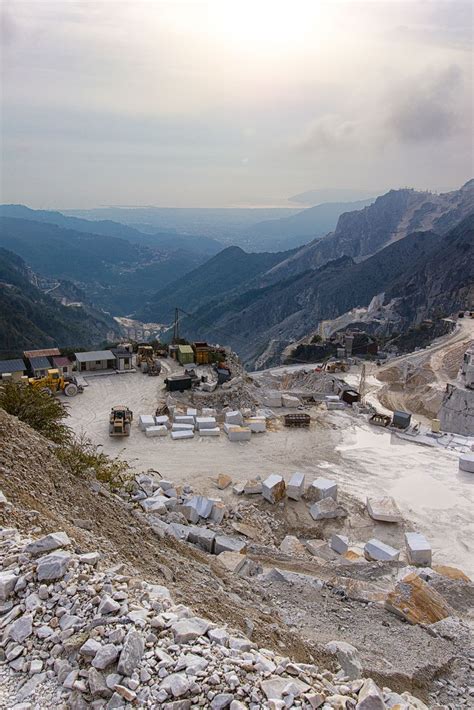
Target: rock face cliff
point(391, 217)
point(423, 275)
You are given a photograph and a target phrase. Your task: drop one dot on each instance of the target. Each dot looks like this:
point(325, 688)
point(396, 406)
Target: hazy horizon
point(219, 103)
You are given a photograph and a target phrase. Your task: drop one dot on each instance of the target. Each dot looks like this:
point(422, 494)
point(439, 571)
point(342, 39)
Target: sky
point(216, 103)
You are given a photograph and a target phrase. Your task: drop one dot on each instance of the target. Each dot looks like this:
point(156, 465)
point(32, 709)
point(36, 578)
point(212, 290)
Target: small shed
point(64, 365)
point(185, 354)
point(96, 360)
point(123, 360)
point(12, 369)
point(39, 366)
point(401, 420)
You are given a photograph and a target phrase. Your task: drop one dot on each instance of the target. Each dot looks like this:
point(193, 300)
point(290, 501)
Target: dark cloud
point(428, 110)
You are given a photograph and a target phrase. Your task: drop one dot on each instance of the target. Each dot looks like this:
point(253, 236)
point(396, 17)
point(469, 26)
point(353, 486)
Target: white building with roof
point(95, 360)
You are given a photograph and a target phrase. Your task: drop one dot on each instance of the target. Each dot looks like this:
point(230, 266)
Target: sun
point(266, 24)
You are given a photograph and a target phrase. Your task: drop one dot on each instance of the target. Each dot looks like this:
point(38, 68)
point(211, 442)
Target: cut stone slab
point(162, 420)
point(209, 432)
point(253, 487)
point(183, 419)
point(234, 417)
point(155, 504)
point(186, 630)
point(414, 600)
point(190, 513)
point(205, 423)
point(384, 509)
point(180, 532)
point(202, 505)
point(290, 545)
point(145, 420)
point(226, 543)
point(322, 488)
point(376, 550)
point(272, 400)
point(223, 481)
point(466, 463)
point(327, 508)
point(289, 401)
point(218, 512)
point(370, 697)
point(178, 435)
point(191, 412)
point(238, 433)
point(50, 542)
point(257, 425)
point(347, 656)
point(339, 543)
point(182, 427)
point(295, 488)
point(418, 549)
point(151, 431)
point(206, 539)
point(274, 488)
point(238, 488)
point(53, 566)
point(208, 412)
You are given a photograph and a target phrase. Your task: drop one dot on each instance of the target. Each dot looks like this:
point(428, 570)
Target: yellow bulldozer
point(54, 382)
point(336, 366)
point(120, 421)
point(146, 360)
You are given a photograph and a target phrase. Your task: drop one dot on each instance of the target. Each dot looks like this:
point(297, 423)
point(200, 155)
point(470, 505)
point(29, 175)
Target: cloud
point(428, 110)
point(327, 133)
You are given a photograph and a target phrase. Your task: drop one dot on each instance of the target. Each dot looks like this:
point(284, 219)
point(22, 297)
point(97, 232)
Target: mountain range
point(30, 318)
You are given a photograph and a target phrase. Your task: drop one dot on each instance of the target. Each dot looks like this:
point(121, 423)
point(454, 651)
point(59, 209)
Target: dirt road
point(426, 483)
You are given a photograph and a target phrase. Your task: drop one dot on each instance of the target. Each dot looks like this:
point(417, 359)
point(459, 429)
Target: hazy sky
point(228, 102)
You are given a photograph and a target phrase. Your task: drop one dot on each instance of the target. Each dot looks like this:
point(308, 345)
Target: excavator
point(146, 360)
point(55, 382)
point(335, 366)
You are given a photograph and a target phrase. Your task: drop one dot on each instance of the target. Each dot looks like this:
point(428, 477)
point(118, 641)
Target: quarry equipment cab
point(55, 382)
point(120, 421)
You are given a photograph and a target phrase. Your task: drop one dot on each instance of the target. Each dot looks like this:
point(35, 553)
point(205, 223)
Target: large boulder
point(414, 600)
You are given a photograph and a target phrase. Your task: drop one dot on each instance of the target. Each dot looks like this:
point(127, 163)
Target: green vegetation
point(46, 414)
point(83, 458)
point(41, 411)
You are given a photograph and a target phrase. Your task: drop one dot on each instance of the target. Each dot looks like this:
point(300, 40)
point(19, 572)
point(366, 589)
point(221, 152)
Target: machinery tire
point(127, 429)
point(46, 390)
point(111, 429)
point(71, 390)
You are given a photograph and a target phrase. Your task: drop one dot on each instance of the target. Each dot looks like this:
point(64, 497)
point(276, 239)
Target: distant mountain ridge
point(422, 273)
point(391, 217)
point(232, 270)
point(30, 318)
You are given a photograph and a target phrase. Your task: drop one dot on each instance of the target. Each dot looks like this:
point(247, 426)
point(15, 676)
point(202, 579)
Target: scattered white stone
point(273, 488)
point(295, 488)
point(418, 549)
point(376, 550)
point(53, 566)
point(384, 509)
point(48, 543)
point(339, 543)
point(322, 488)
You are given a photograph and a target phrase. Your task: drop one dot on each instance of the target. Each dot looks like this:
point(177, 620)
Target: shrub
point(40, 410)
point(83, 459)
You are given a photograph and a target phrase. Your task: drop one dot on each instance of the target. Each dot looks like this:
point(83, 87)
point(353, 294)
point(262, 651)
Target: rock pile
point(77, 636)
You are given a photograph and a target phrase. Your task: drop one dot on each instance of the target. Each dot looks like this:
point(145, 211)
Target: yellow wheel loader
point(55, 382)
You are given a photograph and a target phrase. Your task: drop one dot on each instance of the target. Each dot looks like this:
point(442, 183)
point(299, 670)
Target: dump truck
point(55, 382)
point(120, 421)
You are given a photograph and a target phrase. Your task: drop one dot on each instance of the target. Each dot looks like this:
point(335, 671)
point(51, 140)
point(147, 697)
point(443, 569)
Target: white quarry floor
point(426, 483)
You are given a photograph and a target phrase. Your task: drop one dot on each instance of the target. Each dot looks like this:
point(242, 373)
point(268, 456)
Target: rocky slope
point(101, 608)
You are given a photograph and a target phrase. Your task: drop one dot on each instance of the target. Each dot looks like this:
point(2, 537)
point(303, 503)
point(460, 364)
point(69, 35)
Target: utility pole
point(362, 384)
point(176, 326)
